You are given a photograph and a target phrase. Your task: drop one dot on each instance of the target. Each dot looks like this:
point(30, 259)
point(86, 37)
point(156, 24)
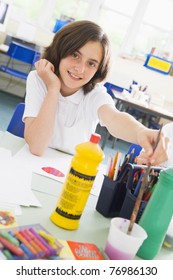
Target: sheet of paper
point(15, 180)
point(51, 158)
point(42, 179)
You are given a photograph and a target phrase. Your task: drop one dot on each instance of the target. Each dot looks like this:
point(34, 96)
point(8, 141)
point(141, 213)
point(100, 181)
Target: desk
point(93, 226)
point(150, 110)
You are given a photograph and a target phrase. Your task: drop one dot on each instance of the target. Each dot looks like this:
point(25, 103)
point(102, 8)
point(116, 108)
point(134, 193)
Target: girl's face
point(77, 69)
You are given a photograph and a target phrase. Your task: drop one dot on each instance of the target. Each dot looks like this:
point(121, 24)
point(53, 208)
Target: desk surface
point(149, 109)
point(93, 226)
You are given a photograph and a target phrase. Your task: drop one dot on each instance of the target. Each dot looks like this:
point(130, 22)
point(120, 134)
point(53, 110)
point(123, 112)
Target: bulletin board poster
point(158, 64)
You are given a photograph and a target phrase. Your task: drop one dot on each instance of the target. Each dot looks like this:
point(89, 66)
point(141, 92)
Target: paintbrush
point(142, 189)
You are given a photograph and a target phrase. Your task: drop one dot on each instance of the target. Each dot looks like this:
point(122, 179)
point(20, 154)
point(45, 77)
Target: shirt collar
point(74, 98)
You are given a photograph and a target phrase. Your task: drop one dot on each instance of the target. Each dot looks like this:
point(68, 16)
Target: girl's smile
point(73, 76)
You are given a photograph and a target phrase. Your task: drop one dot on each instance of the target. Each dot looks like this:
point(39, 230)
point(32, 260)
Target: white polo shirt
point(76, 117)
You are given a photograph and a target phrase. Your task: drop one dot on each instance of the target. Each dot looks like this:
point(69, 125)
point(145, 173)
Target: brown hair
point(71, 38)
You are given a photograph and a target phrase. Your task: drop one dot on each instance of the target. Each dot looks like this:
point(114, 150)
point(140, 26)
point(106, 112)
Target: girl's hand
point(147, 138)
point(45, 70)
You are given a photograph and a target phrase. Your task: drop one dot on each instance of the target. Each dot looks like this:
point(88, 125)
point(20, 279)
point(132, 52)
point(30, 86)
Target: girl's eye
point(91, 64)
point(74, 55)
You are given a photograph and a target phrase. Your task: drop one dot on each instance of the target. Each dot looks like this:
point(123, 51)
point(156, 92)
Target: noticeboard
point(158, 64)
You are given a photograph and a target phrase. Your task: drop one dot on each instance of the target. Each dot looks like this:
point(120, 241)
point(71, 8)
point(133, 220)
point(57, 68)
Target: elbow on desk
point(36, 152)
point(35, 149)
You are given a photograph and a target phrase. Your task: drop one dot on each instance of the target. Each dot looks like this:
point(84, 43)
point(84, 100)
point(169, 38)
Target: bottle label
point(74, 195)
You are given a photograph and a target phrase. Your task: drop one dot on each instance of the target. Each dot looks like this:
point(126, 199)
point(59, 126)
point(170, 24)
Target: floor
point(8, 103)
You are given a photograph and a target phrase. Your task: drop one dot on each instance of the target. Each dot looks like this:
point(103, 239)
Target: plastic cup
point(123, 246)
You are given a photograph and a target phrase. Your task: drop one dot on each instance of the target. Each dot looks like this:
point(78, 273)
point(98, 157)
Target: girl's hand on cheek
point(45, 70)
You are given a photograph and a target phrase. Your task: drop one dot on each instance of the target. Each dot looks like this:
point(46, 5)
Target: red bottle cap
point(95, 138)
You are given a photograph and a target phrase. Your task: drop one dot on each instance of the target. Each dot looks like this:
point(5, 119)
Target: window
point(44, 13)
point(27, 11)
point(115, 17)
point(156, 28)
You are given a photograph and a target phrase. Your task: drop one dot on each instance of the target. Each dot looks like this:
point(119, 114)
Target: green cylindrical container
point(157, 215)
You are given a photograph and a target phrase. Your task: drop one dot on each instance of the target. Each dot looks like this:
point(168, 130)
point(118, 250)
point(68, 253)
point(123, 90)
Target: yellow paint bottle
point(78, 183)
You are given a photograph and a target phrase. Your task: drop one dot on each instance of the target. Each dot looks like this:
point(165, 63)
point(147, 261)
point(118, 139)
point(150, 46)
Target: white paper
point(15, 180)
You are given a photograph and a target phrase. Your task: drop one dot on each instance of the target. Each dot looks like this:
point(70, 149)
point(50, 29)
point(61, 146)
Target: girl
point(65, 100)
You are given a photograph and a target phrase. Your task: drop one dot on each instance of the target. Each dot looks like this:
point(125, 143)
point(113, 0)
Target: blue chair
point(137, 148)
point(22, 53)
point(59, 24)
point(110, 86)
point(16, 125)
point(136, 113)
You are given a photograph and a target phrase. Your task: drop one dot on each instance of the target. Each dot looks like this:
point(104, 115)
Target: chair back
point(23, 53)
point(16, 125)
point(137, 148)
point(110, 86)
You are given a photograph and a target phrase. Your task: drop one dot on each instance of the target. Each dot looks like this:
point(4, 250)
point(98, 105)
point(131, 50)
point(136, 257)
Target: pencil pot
point(132, 193)
point(128, 206)
point(111, 197)
point(113, 193)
